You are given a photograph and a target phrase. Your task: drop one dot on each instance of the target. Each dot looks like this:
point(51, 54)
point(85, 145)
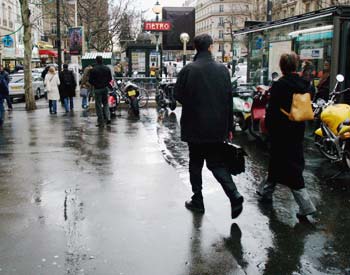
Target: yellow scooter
point(333, 136)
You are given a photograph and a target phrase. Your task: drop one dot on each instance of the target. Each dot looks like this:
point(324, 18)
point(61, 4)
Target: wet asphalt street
point(75, 199)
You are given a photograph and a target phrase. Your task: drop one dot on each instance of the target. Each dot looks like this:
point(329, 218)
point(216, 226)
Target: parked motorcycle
point(113, 99)
point(333, 136)
point(242, 103)
point(166, 96)
point(258, 111)
point(130, 93)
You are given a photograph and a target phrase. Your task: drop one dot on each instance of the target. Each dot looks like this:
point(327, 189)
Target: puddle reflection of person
point(222, 257)
point(288, 244)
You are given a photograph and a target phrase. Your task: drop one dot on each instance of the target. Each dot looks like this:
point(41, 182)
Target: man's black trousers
point(212, 153)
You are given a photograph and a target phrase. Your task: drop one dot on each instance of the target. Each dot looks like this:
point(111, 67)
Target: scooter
point(113, 99)
point(166, 96)
point(242, 104)
point(130, 93)
point(333, 136)
point(258, 111)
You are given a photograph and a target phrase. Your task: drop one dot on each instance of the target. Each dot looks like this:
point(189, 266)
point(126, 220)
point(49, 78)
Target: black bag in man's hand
point(234, 157)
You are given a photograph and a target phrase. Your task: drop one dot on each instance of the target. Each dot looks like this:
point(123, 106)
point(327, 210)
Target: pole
point(269, 11)
point(58, 41)
point(75, 58)
point(184, 56)
point(76, 13)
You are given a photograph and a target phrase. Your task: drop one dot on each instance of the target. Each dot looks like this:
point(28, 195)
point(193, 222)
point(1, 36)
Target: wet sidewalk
point(76, 199)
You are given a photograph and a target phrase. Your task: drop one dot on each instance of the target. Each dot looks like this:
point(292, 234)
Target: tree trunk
point(27, 39)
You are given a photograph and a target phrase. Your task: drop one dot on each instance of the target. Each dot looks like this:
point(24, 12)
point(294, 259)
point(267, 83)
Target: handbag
point(234, 158)
point(301, 109)
point(84, 92)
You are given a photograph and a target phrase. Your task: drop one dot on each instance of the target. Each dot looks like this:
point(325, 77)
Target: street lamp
point(185, 38)
point(157, 10)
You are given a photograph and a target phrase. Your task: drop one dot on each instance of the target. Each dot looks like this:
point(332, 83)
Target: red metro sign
point(157, 26)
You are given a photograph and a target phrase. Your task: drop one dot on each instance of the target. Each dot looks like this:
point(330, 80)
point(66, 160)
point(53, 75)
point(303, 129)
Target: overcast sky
point(148, 4)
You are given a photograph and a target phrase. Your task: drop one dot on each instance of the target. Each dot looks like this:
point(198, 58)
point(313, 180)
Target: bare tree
point(104, 21)
point(27, 40)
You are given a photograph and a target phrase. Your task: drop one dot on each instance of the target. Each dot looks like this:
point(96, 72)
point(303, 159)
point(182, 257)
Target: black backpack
point(68, 78)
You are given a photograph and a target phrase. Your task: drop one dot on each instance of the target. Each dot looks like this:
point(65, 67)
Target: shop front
point(321, 39)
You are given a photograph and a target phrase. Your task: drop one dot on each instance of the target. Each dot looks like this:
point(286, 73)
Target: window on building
point(10, 17)
point(221, 8)
point(307, 7)
point(221, 34)
point(4, 21)
point(53, 29)
point(292, 12)
point(221, 21)
point(221, 47)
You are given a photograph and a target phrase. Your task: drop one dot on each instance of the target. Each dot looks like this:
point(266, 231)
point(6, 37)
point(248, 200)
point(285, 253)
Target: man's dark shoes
point(195, 206)
point(109, 122)
point(236, 207)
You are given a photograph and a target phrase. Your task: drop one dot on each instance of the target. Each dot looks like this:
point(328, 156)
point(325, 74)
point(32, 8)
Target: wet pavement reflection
point(76, 199)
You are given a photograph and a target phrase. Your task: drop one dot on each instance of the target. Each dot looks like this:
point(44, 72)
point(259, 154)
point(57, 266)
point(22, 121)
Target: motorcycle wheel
point(239, 119)
point(135, 106)
point(143, 98)
point(112, 111)
point(327, 150)
point(346, 157)
point(172, 105)
point(252, 130)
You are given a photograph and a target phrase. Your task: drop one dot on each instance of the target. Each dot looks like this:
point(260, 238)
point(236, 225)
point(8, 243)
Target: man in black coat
point(204, 90)
point(99, 78)
point(67, 88)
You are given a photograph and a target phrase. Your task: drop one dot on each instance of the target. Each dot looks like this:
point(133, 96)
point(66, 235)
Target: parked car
point(16, 86)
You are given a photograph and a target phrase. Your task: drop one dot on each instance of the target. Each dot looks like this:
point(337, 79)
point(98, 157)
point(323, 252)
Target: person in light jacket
point(52, 83)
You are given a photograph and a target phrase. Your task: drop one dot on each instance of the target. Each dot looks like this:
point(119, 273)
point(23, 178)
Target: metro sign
point(157, 26)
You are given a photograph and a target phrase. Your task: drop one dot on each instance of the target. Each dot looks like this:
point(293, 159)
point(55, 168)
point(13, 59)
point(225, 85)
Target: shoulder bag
point(301, 108)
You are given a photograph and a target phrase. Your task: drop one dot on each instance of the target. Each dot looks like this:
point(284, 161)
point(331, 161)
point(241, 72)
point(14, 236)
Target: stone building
point(11, 32)
point(219, 18)
point(287, 8)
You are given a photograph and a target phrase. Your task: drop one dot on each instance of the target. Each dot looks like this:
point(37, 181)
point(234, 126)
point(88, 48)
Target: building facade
point(190, 3)
point(11, 32)
point(287, 8)
point(220, 18)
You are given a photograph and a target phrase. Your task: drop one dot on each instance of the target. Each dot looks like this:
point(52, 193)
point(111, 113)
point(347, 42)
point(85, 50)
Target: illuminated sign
point(157, 26)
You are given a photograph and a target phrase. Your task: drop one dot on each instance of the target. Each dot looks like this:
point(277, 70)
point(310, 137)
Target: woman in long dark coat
point(287, 154)
point(67, 88)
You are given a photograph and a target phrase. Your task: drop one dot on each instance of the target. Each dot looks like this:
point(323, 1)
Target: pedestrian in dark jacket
point(67, 88)
point(4, 92)
point(100, 77)
point(204, 90)
point(287, 153)
point(6, 95)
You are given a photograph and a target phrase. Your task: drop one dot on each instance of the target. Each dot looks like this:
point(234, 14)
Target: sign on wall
point(157, 26)
point(76, 40)
point(7, 41)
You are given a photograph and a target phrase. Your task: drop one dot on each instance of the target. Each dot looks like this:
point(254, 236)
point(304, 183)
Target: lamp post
point(58, 39)
point(157, 10)
point(185, 38)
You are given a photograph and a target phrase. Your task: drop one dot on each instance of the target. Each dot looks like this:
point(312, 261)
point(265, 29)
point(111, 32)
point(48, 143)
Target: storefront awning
point(50, 53)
